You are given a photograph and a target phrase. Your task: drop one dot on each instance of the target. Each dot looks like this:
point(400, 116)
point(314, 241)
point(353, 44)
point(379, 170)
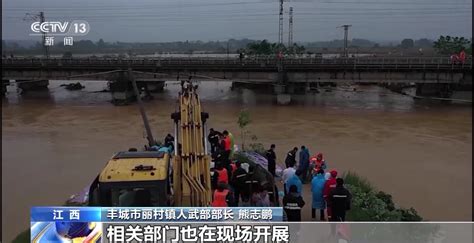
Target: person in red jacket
point(462, 56)
point(328, 186)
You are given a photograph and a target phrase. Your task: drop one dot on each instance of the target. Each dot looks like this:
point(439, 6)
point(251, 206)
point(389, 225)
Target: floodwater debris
point(73, 86)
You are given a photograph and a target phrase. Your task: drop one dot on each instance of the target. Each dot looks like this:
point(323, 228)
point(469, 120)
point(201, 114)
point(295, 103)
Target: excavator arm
point(191, 163)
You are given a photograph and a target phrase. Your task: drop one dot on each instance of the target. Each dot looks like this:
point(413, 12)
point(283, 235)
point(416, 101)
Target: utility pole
point(346, 33)
point(290, 29)
point(41, 18)
point(280, 24)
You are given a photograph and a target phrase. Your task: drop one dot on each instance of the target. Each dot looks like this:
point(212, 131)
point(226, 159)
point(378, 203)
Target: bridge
point(287, 72)
point(362, 69)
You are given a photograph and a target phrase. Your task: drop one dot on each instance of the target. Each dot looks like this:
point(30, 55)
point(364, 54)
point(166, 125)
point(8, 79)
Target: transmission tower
point(280, 24)
point(290, 28)
point(346, 34)
point(40, 17)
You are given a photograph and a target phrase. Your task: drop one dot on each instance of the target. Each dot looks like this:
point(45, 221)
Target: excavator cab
point(133, 179)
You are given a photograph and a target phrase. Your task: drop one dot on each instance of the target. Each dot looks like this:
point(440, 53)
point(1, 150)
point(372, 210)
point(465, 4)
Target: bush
point(354, 180)
point(370, 205)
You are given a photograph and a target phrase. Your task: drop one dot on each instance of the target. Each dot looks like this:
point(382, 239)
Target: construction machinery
point(177, 175)
point(191, 162)
point(168, 175)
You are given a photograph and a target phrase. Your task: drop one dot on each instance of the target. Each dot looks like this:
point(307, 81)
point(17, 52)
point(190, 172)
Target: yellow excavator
point(177, 175)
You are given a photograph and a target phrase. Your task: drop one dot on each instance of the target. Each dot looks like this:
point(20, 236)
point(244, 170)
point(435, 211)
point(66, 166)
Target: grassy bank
point(369, 204)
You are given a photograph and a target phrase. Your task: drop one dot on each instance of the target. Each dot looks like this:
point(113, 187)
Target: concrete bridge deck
point(287, 70)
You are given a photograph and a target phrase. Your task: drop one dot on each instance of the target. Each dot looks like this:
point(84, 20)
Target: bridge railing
point(415, 62)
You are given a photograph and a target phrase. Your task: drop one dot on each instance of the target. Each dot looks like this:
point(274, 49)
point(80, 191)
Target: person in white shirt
point(286, 174)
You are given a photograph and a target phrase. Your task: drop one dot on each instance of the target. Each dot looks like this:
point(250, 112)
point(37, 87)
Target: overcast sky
point(180, 20)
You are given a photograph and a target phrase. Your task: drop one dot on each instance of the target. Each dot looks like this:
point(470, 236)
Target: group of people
point(232, 184)
point(458, 58)
point(329, 196)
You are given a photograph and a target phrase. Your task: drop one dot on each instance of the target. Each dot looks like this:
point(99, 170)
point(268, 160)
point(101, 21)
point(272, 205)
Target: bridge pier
point(32, 85)
point(434, 90)
point(122, 92)
point(282, 95)
point(5, 83)
point(151, 86)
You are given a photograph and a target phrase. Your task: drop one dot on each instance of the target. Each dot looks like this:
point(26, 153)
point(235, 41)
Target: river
point(54, 144)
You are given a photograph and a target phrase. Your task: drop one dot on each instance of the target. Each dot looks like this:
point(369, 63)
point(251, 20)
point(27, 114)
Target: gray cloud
point(172, 20)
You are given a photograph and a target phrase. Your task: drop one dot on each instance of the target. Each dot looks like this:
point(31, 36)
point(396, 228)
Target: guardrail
point(368, 62)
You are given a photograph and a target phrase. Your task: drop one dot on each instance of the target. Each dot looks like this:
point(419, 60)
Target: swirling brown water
point(419, 152)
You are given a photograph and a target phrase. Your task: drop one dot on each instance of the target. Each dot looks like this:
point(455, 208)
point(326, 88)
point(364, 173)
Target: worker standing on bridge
point(271, 159)
point(222, 196)
point(290, 159)
point(462, 56)
point(213, 139)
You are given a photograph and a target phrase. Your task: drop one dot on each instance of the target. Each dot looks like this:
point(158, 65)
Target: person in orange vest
point(317, 163)
point(227, 142)
point(222, 196)
point(220, 176)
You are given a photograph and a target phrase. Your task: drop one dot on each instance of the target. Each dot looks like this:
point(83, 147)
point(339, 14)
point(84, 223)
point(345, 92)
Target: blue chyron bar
point(152, 214)
point(85, 224)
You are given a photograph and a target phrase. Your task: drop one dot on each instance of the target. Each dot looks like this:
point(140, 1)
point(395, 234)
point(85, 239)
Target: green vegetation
point(23, 237)
point(448, 45)
point(368, 204)
point(266, 48)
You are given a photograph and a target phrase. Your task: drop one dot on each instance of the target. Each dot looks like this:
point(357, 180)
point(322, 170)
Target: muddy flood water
point(54, 144)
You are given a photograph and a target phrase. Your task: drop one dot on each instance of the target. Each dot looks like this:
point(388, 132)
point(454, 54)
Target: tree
point(243, 121)
point(449, 45)
point(407, 43)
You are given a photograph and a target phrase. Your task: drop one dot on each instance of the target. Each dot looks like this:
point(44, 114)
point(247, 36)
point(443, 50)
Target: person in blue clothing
point(304, 163)
point(295, 180)
point(317, 188)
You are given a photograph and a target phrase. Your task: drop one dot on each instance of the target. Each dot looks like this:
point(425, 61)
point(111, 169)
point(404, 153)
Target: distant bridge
point(438, 70)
